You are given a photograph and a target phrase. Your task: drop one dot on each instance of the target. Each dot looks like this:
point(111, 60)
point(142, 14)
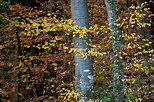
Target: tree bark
point(117, 71)
point(145, 31)
point(83, 67)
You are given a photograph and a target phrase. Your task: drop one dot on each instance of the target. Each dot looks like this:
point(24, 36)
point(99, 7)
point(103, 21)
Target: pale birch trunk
point(83, 67)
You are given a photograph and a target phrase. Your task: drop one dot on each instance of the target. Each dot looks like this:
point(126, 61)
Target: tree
point(83, 66)
point(117, 72)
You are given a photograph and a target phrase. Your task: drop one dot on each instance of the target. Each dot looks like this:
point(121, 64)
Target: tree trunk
point(83, 67)
point(145, 31)
point(117, 72)
point(139, 2)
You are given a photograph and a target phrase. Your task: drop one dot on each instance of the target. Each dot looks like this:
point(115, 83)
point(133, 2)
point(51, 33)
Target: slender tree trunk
point(139, 2)
point(117, 72)
point(127, 4)
point(83, 67)
point(147, 33)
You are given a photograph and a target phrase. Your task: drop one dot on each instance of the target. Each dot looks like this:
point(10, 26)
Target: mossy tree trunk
point(117, 71)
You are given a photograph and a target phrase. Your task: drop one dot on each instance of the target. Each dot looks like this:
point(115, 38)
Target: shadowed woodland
point(37, 51)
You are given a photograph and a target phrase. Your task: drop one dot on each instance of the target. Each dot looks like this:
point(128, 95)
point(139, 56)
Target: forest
point(76, 51)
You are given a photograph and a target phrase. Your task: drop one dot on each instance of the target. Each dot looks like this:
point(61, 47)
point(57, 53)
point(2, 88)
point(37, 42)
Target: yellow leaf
point(55, 64)
point(1, 46)
point(82, 100)
point(65, 47)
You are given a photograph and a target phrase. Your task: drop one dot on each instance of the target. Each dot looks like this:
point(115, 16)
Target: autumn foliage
point(36, 52)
